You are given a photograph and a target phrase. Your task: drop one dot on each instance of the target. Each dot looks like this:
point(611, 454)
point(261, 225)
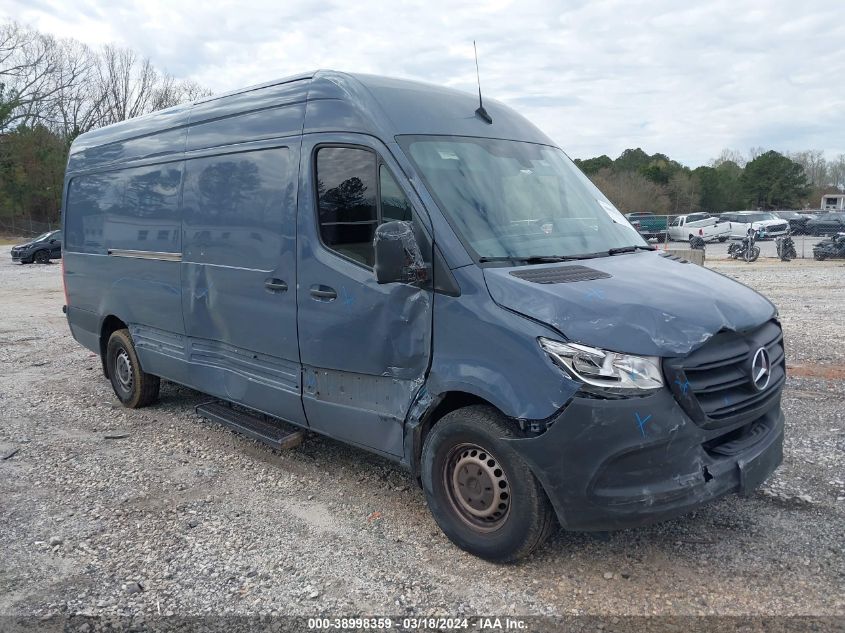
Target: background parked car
point(703, 225)
point(797, 221)
point(649, 225)
point(40, 250)
point(826, 224)
point(766, 224)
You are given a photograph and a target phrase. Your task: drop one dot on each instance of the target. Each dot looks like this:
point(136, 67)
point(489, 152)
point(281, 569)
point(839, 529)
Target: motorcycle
point(745, 248)
point(696, 242)
point(833, 246)
point(786, 248)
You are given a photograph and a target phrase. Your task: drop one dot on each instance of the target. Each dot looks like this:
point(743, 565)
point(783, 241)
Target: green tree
point(592, 166)
point(721, 187)
point(632, 160)
point(773, 181)
point(32, 163)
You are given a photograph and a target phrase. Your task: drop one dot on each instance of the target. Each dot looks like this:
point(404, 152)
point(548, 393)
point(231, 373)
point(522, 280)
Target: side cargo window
point(355, 193)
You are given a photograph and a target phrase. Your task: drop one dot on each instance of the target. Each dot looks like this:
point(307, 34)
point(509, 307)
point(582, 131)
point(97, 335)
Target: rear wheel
point(133, 386)
point(481, 493)
point(41, 257)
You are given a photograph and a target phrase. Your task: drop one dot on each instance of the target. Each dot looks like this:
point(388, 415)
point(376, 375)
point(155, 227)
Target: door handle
point(323, 292)
point(276, 285)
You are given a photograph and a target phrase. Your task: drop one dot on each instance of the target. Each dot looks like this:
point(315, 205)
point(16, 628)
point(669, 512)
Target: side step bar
point(257, 426)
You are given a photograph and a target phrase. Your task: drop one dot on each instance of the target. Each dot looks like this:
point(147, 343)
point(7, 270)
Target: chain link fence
point(27, 227)
point(671, 232)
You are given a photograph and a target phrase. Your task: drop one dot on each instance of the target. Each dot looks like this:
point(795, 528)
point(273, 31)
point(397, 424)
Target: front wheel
point(41, 257)
point(723, 238)
point(134, 387)
point(752, 254)
point(480, 491)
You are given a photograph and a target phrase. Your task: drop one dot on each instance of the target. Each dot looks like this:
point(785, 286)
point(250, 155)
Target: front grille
point(713, 384)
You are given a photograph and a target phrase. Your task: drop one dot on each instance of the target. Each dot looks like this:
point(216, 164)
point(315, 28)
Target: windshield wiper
point(629, 249)
point(534, 259)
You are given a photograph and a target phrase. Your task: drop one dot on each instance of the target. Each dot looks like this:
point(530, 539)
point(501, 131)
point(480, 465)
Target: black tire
point(471, 438)
point(41, 257)
point(753, 255)
point(133, 386)
point(723, 238)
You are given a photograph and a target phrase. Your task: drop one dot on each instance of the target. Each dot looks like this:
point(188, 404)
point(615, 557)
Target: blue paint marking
point(641, 422)
point(683, 385)
point(595, 293)
point(347, 297)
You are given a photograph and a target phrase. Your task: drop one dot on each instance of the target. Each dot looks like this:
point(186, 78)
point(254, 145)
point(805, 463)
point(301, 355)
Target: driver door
point(365, 347)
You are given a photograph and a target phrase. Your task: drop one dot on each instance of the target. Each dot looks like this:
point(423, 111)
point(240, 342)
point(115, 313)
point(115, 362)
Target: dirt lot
point(181, 516)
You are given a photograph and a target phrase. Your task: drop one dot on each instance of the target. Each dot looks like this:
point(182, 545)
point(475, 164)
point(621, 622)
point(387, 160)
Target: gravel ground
point(180, 516)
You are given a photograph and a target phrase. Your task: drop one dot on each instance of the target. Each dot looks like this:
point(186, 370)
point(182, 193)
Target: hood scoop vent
point(674, 257)
point(559, 274)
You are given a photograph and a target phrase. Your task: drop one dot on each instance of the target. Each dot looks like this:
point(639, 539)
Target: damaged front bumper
point(611, 464)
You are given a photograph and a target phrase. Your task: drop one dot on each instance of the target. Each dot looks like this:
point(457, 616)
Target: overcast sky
point(683, 78)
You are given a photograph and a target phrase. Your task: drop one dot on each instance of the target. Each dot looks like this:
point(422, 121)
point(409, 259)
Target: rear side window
point(355, 193)
point(147, 218)
point(235, 207)
point(89, 199)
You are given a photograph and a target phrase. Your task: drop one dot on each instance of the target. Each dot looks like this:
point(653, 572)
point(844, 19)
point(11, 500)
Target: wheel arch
point(433, 409)
point(108, 327)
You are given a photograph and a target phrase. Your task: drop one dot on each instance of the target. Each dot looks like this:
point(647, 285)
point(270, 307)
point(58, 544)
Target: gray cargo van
point(386, 263)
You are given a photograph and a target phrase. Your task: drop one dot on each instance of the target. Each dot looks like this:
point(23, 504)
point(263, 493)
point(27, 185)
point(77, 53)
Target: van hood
point(644, 303)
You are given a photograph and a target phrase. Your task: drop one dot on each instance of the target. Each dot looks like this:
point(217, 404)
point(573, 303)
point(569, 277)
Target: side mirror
point(398, 256)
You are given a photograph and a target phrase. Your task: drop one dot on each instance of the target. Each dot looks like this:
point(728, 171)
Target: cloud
point(598, 77)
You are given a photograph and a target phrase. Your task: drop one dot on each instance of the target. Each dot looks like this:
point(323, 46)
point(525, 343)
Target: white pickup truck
point(703, 225)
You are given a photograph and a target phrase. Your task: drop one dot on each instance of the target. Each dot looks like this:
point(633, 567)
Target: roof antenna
point(480, 111)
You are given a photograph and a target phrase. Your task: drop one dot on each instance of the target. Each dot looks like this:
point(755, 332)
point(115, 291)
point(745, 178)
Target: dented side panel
point(239, 235)
point(365, 347)
point(492, 353)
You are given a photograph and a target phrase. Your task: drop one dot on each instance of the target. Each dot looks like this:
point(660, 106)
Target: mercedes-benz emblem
point(761, 369)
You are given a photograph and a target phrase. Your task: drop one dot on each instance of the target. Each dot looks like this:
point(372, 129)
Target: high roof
point(324, 100)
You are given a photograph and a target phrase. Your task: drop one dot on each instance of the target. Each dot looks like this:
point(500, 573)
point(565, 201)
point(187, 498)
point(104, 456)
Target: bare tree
point(127, 83)
point(29, 75)
point(755, 152)
point(684, 192)
point(729, 156)
point(78, 105)
point(836, 170)
point(631, 191)
point(814, 164)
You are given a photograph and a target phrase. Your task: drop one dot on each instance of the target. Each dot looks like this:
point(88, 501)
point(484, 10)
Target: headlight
point(605, 372)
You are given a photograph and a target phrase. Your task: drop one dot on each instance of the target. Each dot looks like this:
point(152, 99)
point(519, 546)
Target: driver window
point(356, 193)
point(394, 204)
point(346, 194)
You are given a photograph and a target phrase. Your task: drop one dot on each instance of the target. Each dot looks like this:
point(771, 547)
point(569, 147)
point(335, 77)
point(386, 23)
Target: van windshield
point(517, 200)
